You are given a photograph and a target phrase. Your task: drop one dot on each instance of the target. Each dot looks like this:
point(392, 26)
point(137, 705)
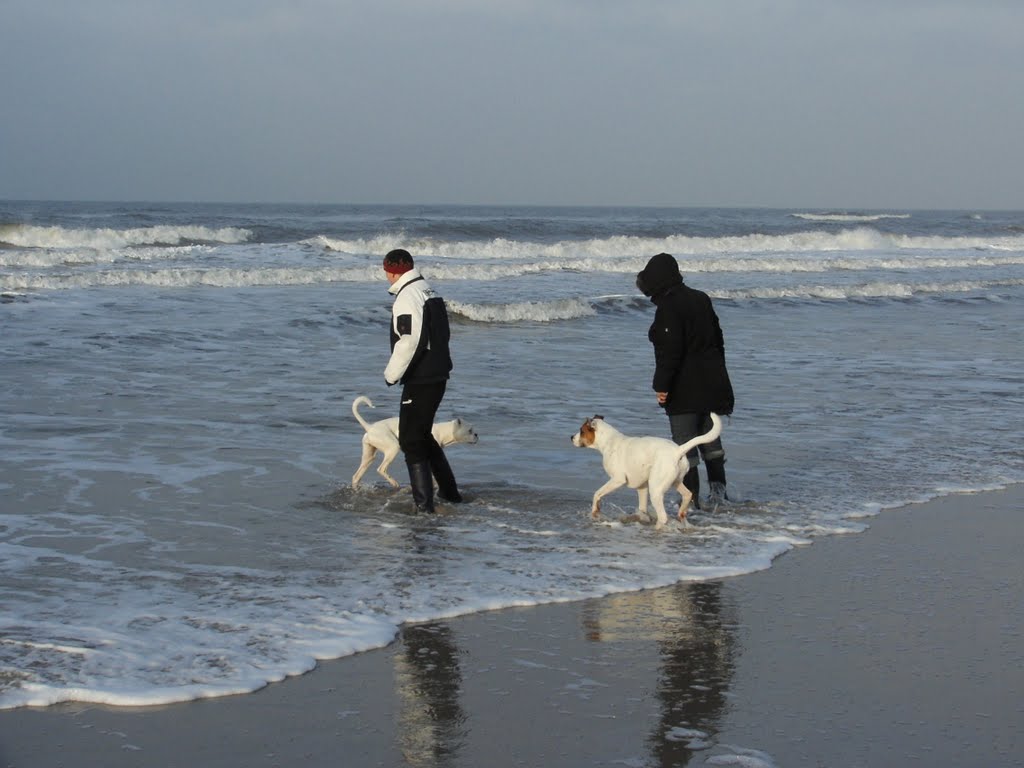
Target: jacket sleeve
point(406, 328)
point(719, 336)
point(667, 335)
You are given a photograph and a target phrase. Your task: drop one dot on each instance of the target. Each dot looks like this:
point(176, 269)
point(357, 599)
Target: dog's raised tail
point(707, 437)
point(363, 399)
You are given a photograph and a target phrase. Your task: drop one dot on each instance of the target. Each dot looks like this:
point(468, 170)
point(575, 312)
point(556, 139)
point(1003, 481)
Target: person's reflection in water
point(428, 680)
point(697, 665)
point(696, 651)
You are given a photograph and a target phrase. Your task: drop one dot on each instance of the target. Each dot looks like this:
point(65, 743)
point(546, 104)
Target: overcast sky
point(806, 103)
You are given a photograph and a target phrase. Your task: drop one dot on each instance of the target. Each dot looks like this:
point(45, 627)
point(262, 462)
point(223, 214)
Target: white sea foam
point(29, 236)
point(63, 276)
point(185, 278)
point(539, 311)
point(544, 311)
point(851, 240)
point(48, 258)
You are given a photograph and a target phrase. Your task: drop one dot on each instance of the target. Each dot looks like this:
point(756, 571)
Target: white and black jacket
point(419, 333)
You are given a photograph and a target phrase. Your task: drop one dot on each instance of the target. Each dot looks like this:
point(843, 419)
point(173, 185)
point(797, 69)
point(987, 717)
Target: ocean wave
point(580, 307)
point(871, 290)
point(55, 274)
point(134, 261)
point(444, 270)
point(47, 258)
point(535, 311)
point(184, 278)
point(632, 248)
point(29, 247)
point(105, 239)
point(849, 217)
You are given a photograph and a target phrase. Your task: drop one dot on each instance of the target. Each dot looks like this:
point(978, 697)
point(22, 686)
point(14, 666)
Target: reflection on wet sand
point(696, 648)
point(685, 692)
point(429, 682)
point(428, 679)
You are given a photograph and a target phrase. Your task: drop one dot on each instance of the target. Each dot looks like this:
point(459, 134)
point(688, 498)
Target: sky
point(836, 104)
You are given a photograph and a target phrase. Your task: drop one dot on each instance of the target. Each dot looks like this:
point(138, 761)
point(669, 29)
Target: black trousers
point(420, 402)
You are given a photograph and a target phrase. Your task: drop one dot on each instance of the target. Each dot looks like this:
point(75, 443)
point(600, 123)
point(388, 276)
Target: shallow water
point(177, 443)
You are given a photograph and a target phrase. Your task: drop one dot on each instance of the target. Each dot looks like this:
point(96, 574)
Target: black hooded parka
point(689, 349)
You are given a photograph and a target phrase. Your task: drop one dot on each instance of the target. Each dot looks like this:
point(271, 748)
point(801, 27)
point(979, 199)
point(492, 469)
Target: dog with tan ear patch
point(651, 465)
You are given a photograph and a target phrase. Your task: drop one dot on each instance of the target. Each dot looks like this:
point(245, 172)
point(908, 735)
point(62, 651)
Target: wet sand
point(902, 645)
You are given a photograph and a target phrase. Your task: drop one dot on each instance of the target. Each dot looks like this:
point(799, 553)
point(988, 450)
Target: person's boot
point(447, 488)
point(692, 482)
point(422, 483)
point(716, 480)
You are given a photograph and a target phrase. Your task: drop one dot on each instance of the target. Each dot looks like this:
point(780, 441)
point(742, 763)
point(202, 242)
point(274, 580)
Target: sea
point(177, 518)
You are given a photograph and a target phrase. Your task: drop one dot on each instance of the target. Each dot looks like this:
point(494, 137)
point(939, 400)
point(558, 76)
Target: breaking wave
point(524, 311)
point(858, 239)
point(574, 308)
point(17, 282)
point(104, 239)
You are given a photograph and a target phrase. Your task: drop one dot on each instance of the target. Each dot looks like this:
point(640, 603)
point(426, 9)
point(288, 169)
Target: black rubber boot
point(692, 481)
point(422, 486)
point(716, 479)
point(447, 488)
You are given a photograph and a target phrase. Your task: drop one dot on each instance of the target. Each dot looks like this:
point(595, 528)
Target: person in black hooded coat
point(690, 376)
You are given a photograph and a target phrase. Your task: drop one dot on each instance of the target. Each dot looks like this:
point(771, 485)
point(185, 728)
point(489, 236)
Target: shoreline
point(902, 644)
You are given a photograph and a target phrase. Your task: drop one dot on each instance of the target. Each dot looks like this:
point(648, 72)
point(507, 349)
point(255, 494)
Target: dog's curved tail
point(363, 399)
point(707, 437)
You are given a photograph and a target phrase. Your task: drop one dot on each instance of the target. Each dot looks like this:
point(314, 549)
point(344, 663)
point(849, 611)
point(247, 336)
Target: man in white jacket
point(421, 362)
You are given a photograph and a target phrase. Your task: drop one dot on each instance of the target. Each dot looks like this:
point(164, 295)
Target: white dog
point(649, 464)
point(383, 436)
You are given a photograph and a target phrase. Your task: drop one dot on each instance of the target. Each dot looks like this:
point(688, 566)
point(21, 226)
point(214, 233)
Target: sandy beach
point(902, 645)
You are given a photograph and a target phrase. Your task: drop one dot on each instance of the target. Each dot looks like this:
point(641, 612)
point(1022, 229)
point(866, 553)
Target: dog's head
point(588, 433)
point(463, 432)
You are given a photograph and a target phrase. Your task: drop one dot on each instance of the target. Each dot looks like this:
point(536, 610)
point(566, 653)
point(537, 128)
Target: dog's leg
point(658, 502)
point(641, 504)
point(640, 516)
point(684, 505)
point(368, 453)
point(389, 456)
point(612, 485)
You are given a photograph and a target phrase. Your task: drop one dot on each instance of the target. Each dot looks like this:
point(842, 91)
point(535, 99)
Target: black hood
point(660, 274)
